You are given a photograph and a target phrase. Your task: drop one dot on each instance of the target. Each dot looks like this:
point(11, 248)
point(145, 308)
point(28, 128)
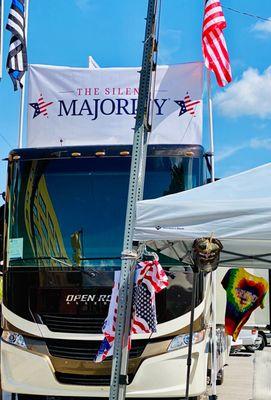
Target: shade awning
point(235, 210)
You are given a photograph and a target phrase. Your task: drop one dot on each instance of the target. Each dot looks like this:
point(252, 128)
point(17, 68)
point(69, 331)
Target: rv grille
point(73, 324)
point(86, 349)
point(86, 380)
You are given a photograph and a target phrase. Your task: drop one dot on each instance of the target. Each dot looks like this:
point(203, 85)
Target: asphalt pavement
point(238, 379)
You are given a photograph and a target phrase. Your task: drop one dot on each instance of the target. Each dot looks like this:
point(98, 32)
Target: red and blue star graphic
point(40, 107)
point(187, 105)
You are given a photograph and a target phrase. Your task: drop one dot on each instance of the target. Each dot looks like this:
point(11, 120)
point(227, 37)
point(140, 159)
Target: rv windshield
point(72, 211)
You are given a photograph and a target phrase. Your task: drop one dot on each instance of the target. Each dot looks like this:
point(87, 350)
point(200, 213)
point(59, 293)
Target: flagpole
point(211, 125)
point(23, 92)
point(213, 277)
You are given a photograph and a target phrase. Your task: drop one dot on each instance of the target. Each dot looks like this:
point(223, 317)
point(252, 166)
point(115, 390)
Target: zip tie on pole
point(129, 255)
point(151, 36)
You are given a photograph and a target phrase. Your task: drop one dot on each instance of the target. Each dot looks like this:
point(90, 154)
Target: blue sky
point(66, 32)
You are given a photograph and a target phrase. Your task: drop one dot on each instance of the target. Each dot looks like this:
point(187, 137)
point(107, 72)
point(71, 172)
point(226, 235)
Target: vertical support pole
point(191, 331)
point(135, 193)
point(1, 36)
point(214, 338)
point(213, 278)
point(23, 90)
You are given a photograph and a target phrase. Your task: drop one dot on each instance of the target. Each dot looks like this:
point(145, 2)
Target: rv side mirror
point(209, 180)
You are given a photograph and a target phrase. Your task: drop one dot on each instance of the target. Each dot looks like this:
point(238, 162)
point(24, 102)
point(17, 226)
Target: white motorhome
point(57, 288)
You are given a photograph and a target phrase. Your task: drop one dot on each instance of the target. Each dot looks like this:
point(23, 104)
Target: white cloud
point(263, 27)
point(227, 152)
point(254, 143)
point(258, 143)
point(250, 96)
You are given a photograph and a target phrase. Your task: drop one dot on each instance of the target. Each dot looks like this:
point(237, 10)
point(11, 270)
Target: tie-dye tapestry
point(245, 292)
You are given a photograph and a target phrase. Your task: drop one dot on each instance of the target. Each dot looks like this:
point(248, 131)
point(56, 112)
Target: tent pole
point(22, 101)
point(214, 338)
point(213, 277)
point(191, 331)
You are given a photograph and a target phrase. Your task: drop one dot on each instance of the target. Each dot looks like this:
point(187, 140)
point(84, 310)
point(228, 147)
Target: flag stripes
point(190, 105)
point(43, 106)
point(214, 46)
point(139, 325)
point(153, 274)
point(17, 57)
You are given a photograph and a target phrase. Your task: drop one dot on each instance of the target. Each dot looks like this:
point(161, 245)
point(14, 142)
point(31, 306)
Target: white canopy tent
point(236, 210)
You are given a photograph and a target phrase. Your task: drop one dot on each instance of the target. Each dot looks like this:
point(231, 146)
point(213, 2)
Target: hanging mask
point(206, 254)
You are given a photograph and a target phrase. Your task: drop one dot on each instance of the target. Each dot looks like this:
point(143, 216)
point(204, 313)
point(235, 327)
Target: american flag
point(109, 326)
point(150, 278)
point(187, 105)
point(152, 274)
point(144, 311)
point(17, 58)
point(213, 42)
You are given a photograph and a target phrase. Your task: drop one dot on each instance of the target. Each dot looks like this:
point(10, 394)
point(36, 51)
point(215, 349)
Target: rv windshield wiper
point(60, 260)
point(99, 258)
point(92, 272)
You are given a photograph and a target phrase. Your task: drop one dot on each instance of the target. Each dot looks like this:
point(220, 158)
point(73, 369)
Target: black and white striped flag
point(17, 58)
point(1, 35)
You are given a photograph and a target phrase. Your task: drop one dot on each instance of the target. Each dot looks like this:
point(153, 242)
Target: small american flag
point(150, 278)
point(17, 58)
point(214, 46)
point(109, 327)
point(144, 311)
point(152, 274)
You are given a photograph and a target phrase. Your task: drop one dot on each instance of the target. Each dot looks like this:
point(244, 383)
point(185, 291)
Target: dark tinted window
point(75, 208)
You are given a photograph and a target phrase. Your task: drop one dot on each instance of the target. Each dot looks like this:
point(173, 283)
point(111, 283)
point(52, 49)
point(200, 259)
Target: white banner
point(73, 106)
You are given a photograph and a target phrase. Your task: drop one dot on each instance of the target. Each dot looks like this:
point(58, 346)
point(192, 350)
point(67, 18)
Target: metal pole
point(211, 125)
point(22, 101)
point(1, 37)
point(213, 277)
point(136, 185)
point(191, 331)
point(92, 63)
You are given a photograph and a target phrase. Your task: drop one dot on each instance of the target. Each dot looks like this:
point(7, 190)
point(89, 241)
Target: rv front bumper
point(26, 372)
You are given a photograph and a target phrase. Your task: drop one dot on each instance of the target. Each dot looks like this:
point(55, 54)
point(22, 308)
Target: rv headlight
point(182, 341)
point(14, 338)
